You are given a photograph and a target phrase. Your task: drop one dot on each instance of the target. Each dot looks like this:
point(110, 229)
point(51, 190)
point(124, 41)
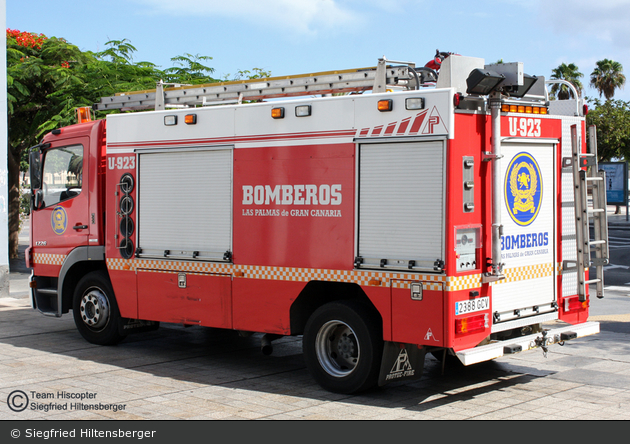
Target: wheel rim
point(337, 348)
point(94, 309)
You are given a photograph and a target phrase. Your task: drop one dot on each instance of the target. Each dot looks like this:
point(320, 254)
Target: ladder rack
point(595, 180)
point(353, 80)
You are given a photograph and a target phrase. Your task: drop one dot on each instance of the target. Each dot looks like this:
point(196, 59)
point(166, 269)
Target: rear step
point(516, 345)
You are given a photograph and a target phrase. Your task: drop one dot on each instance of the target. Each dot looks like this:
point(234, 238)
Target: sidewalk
point(617, 219)
point(18, 273)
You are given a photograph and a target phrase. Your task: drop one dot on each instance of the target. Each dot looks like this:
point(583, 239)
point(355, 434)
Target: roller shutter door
point(185, 204)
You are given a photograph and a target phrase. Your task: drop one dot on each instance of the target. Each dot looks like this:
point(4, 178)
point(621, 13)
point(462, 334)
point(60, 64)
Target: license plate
point(472, 305)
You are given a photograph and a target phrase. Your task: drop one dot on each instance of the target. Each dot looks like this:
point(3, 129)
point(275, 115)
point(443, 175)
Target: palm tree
point(607, 77)
point(571, 74)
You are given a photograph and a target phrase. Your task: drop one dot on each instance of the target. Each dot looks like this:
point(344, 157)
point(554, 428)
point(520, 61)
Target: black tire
point(343, 346)
point(95, 310)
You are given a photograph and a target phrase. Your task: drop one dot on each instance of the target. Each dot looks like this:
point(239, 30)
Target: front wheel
point(343, 346)
point(95, 310)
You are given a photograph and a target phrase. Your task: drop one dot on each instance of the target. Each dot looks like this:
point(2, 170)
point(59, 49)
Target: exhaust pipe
point(265, 343)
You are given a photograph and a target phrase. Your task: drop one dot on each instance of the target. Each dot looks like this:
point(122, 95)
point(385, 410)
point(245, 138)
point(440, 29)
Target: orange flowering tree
point(48, 78)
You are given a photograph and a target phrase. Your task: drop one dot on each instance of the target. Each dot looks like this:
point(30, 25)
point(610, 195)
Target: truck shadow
point(213, 357)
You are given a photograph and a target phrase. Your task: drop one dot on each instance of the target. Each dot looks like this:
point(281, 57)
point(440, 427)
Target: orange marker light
point(277, 113)
point(190, 119)
point(84, 114)
point(385, 105)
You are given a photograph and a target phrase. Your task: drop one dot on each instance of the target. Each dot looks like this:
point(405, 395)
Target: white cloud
point(605, 20)
point(301, 16)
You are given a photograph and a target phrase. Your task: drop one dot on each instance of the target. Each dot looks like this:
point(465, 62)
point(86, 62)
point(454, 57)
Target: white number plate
point(472, 305)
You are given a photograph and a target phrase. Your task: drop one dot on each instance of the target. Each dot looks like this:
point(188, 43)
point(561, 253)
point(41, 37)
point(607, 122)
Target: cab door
point(60, 220)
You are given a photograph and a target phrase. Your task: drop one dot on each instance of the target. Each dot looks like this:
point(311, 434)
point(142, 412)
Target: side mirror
point(34, 168)
point(38, 199)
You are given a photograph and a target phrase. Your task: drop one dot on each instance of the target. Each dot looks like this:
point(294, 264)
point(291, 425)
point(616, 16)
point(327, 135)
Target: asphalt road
point(618, 272)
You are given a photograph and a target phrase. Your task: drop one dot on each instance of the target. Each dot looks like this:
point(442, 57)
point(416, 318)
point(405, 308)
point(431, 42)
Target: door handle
point(80, 227)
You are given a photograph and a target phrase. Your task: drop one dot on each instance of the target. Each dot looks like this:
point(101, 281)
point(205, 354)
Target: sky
point(286, 37)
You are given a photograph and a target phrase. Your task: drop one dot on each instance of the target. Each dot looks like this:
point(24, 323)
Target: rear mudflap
point(128, 326)
point(401, 362)
point(542, 340)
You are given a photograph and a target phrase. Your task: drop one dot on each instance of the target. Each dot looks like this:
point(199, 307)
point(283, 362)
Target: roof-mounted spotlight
point(482, 81)
point(521, 90)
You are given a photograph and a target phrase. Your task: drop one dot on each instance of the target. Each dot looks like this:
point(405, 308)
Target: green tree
point(190, 70)
point(37, 67)
point(612, 118)
point(607, 77)
point(255, 73)
point(571, 74)
point(113, 71)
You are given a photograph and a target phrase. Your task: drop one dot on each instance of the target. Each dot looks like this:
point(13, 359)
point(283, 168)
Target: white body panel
point(333, 120)
point(528, 242)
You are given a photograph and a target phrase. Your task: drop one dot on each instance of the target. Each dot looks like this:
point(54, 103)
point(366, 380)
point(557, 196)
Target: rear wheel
point(95, 310)
point(343, 346)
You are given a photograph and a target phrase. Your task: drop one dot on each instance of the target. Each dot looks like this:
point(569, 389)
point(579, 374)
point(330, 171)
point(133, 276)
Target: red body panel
point(206, 300)
point(265, 235)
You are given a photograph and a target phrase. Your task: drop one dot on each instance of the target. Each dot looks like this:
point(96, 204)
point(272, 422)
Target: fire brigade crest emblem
point(59, 220)
point(523, 189)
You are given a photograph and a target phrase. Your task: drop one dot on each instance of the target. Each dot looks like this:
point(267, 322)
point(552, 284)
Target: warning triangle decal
point(434, 124)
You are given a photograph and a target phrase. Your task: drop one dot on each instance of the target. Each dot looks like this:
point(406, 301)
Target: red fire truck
point(429, 209)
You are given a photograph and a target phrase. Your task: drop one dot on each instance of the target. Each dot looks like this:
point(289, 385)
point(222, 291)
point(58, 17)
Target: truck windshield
point(62, 174)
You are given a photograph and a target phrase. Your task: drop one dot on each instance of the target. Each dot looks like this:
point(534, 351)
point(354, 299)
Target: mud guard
point(401, 362)
point(129, 326)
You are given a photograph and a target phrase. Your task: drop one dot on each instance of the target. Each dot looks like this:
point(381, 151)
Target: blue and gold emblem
point(523, 189)
point(59, 220)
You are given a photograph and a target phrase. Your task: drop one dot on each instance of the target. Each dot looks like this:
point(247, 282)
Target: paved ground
point(201, 373)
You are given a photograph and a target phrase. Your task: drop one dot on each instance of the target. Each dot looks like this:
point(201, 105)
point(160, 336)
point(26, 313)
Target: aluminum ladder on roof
point(583, 181)
point(376, 79)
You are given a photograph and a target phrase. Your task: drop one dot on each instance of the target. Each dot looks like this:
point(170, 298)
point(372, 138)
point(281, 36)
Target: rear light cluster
point(574, 304)
point(506, 108)
point(471, 324)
